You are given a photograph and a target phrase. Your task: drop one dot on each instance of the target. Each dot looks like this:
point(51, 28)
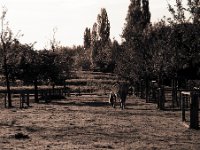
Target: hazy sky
point(37, 18)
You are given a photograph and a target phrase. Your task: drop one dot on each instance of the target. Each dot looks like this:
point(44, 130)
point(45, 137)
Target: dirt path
point(91, 123)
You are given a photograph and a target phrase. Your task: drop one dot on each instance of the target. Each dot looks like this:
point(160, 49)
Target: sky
point(36, 19)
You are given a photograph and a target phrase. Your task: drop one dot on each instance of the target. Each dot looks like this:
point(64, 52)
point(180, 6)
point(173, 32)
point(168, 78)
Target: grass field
point(89, 122)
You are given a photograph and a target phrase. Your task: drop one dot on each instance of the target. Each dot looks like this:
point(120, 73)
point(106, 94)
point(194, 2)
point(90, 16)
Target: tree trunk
point(53, 88)
point(36, 91)
point(7, 83)
point(194, 111)
point(147, 88)
point(174, 93)
point(142, 89)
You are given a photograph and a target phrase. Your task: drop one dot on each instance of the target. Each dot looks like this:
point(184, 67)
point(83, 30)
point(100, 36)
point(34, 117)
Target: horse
point(119, 93)
point(113, 99)
point(123, 92)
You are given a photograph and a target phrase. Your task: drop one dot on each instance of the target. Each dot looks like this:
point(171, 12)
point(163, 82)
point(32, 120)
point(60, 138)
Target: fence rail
point(25, 94)
point(191, 100)
point(168, 98)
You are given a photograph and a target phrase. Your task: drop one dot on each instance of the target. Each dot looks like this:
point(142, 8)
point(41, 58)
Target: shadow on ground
point(92, 104)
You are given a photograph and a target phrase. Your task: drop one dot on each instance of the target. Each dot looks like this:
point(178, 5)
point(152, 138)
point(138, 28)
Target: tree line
point(167, 51)
point(33, 67)
point(163, 51)
point(158, 49)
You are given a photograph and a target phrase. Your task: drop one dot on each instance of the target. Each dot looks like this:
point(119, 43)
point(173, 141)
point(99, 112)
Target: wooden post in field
point(28, 104)
point(22, 100)
point(62, 92)
point(194, 111)
point(158, 98)
point(183, 108)
point(5, 100)
point(162, 103)
point(161, 97)
point(185, 97)
point(68, 93)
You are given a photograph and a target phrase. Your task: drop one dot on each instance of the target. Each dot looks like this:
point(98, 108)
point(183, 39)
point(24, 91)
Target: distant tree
point(65, 56)
point(87, 38)
point(116, 50)
point(94, 43)
point(173, 47)
point(103, 27)
point(146, 13)
point(194, 9)
point(83, 59)
point(127, 63)
point(30, 67)
point(133, 20)
point(135, 51)
point(54, 44)
point(54, 67)
point(159, 54)
point(43, 67)
point(185, 43)
point(71, 56)
point(178, 14)
point(183, 31)
point(137, 21)
point(7, 40)
point(94, 34)
point(178, 11)
point(18, 53)
point(63, 65)
point(101, 52)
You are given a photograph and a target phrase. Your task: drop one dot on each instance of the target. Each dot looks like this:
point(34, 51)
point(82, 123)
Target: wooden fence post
point(22, 100)
point(185, 96)
point(194, 111)
point(183, 107)
point(158, 98)
point(5, 100)
point(68, 93)
point(161, 97)
point(28, 104)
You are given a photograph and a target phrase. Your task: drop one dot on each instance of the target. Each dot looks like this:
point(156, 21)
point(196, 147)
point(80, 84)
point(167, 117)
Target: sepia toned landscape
point(132, 83)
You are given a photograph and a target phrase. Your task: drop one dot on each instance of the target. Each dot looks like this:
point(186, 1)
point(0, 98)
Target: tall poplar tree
point(100, 42)
point(194, 6)
point(137, 21)
point(103, 27)
point(134, 64)
point(94, 43)
point(87, 38)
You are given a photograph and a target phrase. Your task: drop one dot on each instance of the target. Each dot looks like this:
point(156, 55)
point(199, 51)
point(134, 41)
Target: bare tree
point(7, 45)
point(6, 41)
point(53, 43)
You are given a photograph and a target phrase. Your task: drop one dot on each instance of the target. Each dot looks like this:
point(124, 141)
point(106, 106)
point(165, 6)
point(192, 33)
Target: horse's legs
point(113, 104)
point(122, 103)
point(114, 101)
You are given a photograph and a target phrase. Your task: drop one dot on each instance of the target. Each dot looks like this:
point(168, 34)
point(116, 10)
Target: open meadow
point(89, 122)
